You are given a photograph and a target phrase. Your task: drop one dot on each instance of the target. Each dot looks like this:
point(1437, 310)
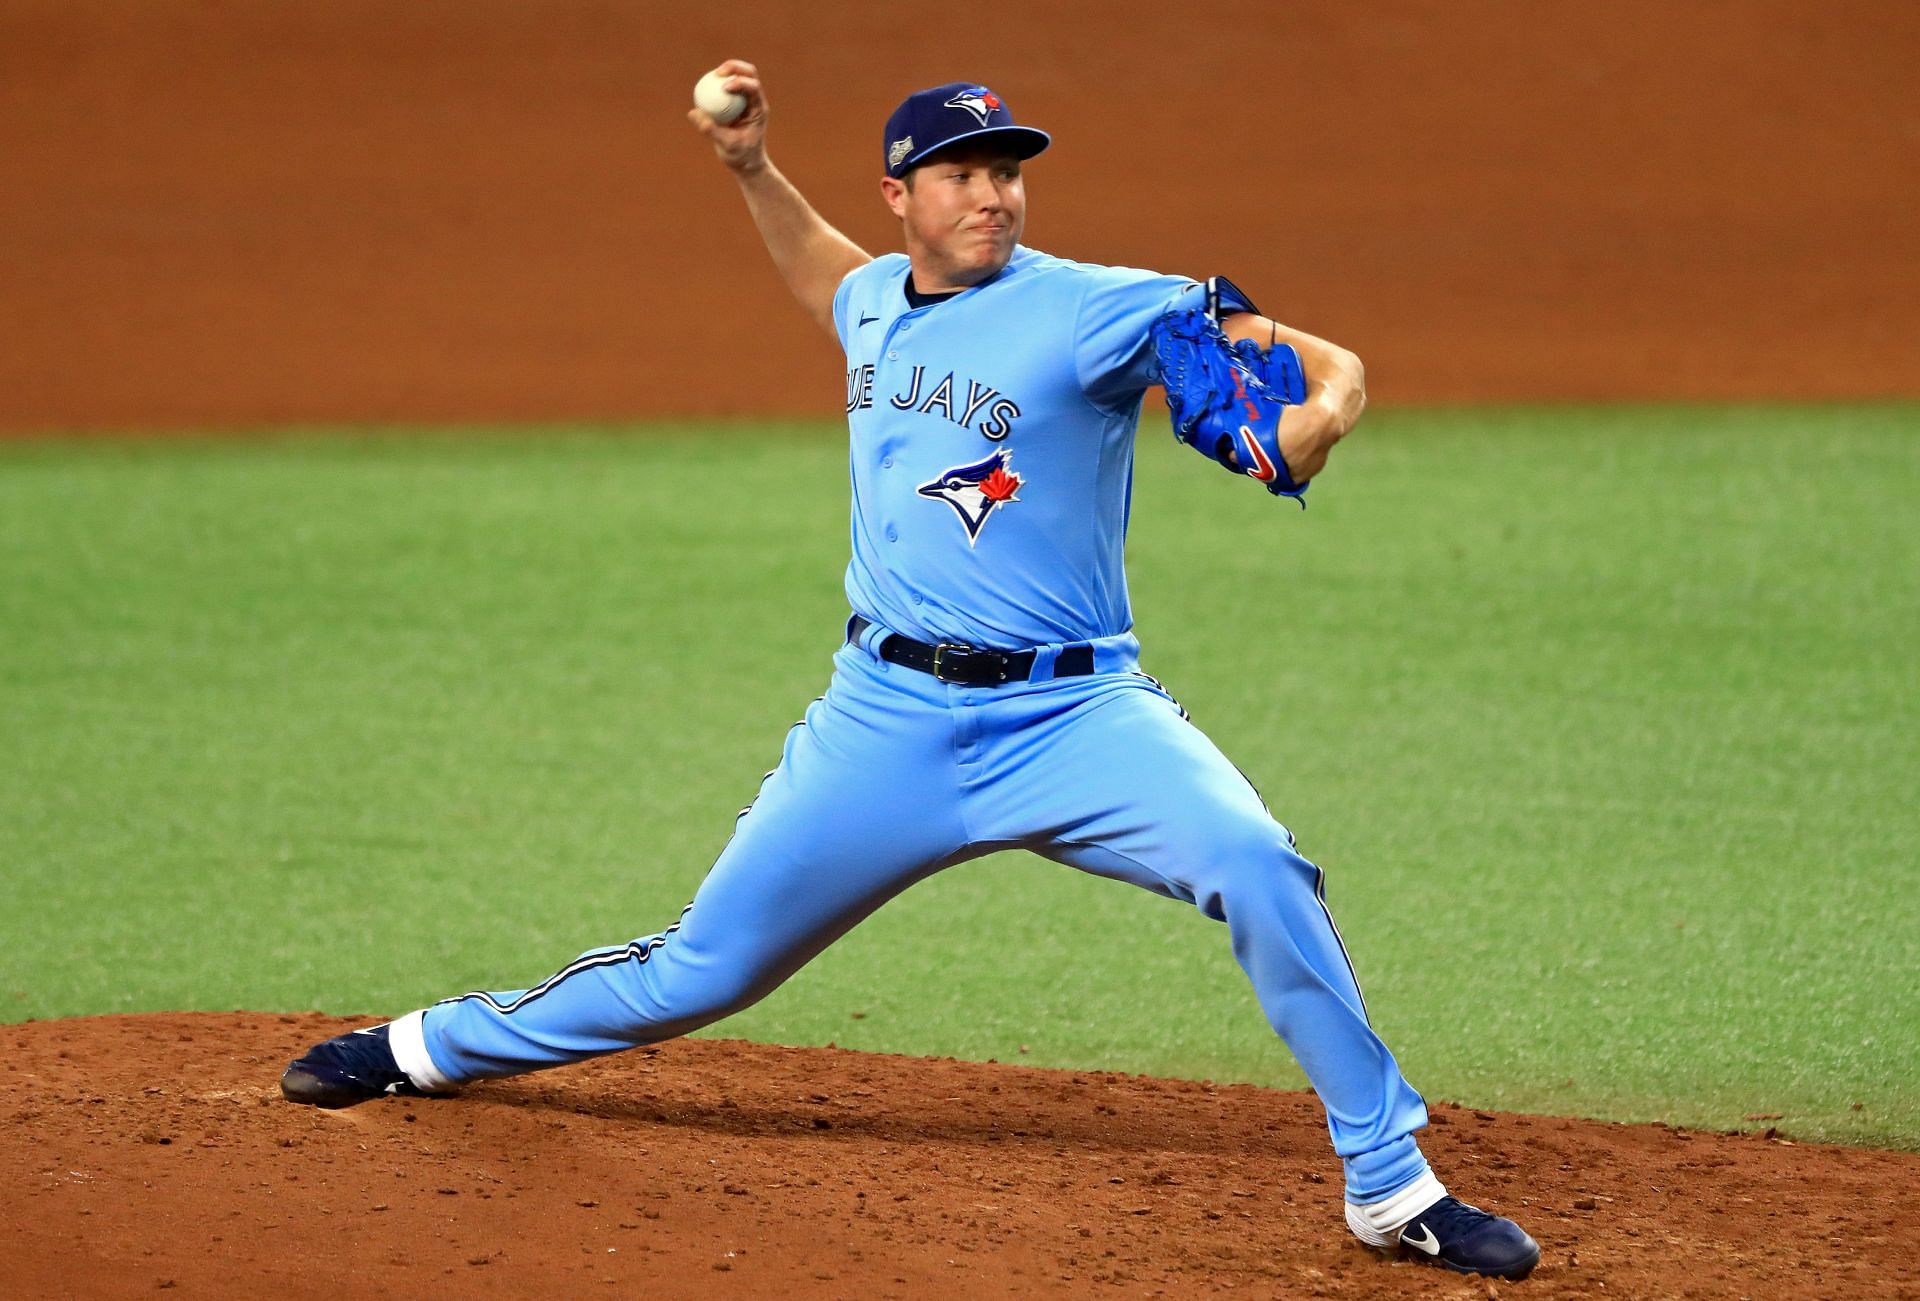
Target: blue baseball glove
point(1226, 398)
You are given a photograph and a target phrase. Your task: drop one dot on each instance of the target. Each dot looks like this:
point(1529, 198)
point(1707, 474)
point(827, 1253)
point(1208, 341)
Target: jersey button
point(915, 596)
point(893, 356)
point(886, 462)
point(892, 534)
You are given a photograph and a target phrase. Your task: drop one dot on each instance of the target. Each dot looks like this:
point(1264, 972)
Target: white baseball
point(711, 96)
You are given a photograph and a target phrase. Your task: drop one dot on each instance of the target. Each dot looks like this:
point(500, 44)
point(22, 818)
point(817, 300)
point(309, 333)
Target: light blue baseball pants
point(894, 775)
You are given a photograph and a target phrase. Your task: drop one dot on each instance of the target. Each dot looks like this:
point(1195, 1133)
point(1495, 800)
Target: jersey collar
point(1021, 255)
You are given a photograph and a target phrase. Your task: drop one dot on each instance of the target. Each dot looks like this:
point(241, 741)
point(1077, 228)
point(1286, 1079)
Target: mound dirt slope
point(234, 214)
point(144, 1153)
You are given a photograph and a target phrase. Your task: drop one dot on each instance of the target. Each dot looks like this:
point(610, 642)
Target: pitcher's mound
point(143, 1153)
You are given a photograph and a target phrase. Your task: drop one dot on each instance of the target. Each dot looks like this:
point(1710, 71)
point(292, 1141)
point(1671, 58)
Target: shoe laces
point(1451, 1218)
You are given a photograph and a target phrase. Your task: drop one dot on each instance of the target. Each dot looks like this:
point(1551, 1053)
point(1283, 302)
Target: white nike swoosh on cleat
point(1426, 1242)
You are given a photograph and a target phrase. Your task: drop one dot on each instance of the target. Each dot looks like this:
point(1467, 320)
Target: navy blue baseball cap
point(928, 120)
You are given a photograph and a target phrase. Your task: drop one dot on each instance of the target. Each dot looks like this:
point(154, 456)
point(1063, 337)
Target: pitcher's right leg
point(862, 805)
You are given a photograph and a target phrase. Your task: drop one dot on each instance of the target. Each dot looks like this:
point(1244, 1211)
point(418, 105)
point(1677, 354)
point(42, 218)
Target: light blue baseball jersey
point(992, 447)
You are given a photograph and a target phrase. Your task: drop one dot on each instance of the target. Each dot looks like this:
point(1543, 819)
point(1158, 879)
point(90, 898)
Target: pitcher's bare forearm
point(812, 256)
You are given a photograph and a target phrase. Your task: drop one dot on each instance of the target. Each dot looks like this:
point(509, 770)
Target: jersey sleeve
point(1111, 355)
point(841, 297)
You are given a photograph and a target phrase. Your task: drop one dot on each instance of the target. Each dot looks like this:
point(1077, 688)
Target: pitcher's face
point(961, 213)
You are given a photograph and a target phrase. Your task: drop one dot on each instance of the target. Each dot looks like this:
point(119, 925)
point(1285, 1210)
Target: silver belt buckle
point(940, 651)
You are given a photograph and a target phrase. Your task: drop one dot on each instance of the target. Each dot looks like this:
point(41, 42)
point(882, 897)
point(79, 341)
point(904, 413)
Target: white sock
point(1378, 1224)
point(407, 1037)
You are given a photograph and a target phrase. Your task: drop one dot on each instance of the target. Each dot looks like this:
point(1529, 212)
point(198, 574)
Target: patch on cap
point(898, 150)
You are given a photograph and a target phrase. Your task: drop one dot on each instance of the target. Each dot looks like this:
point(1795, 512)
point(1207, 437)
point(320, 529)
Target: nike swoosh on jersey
point(1426, 1242)
point(868, 320)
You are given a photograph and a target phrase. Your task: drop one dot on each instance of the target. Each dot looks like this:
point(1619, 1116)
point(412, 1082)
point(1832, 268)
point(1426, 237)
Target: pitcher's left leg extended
point(1122, 785)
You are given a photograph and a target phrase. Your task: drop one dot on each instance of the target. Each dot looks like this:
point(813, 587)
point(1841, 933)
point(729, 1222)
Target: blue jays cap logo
point(975, 491)
point(978, 101)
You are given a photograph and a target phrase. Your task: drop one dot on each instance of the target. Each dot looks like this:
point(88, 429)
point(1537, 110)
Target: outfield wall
point(234, 214)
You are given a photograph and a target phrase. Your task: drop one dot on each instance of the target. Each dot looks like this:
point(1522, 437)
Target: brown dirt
point(231, 213)
point(142, 1153)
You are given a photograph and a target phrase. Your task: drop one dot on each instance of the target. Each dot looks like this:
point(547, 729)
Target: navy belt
point(970, 666)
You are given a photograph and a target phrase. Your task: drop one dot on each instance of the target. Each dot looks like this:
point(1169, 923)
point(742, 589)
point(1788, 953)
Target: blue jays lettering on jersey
point(992, 447)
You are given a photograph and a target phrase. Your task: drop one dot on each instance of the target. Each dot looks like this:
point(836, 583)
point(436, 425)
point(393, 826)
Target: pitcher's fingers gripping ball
point(711, 96)
point(730, 109)
point(989, 691)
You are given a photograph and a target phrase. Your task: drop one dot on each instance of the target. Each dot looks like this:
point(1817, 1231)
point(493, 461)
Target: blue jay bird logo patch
point(980, 102)
point(975, 491)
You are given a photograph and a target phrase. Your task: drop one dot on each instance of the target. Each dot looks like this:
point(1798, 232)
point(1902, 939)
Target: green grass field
point(1602, 722)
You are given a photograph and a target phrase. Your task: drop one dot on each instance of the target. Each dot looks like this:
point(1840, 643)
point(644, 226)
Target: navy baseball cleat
point(1467, 1240)
point(347, 1069)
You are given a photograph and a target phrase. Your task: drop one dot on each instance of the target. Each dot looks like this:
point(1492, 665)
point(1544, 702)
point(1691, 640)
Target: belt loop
point(1116, 654)
point(1044, 658)
point(869, 637)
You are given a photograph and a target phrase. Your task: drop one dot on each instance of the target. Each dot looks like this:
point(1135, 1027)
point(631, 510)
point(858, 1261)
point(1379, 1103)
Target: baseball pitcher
point(989, 693)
